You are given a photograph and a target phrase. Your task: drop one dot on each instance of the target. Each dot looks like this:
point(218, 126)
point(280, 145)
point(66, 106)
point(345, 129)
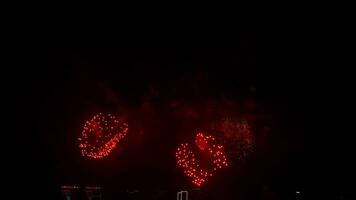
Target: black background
point(298, 103)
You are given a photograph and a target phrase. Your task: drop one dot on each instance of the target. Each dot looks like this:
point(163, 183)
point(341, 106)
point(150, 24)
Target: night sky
point(166, 95)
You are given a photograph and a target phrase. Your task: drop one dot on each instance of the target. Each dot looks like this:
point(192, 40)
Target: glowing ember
point(101, 134)
point(188, 161)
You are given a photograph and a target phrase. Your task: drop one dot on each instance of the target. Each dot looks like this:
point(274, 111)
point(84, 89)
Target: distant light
point(297, 192)
point(91, 187)
point(69, 187)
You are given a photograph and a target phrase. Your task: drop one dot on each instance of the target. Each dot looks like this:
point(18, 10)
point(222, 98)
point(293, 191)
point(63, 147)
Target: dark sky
point(268, 85)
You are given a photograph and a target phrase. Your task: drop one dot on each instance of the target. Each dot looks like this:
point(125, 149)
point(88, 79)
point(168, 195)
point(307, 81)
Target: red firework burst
point(236, 135)
point(101, 134)
point(192, 167)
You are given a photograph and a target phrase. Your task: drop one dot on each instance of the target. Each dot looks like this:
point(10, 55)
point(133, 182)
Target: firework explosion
point(236, 135)
point(192, 167)
point(101, 134)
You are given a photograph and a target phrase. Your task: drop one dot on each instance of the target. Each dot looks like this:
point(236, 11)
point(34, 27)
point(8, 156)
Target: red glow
point(201, 142)
point(97, 131)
